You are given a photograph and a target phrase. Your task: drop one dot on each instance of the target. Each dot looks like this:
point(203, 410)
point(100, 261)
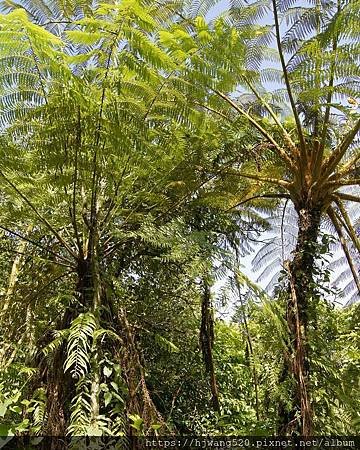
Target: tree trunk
point(207, 342)
point(5, 359)
point(250, 348)
point(299, 418)
point(139, 399)
point(60, 386)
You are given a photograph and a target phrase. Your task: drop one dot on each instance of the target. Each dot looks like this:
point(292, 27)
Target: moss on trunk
point(298, 418)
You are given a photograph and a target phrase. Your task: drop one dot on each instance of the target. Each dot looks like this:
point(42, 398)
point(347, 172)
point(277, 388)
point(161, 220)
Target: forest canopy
point(153, 155)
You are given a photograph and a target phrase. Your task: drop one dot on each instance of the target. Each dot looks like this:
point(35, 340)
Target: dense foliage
point(146, 150)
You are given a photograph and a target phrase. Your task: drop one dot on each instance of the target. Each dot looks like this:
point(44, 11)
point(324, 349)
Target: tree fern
point(79, 343)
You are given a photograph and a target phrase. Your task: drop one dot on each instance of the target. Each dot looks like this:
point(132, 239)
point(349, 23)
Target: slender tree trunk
point(6, 305)
point(251, 349)
point(207, 342)
point(299, 418)
point(96, 299)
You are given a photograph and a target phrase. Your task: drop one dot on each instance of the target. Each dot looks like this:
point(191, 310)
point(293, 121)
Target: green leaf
point(166, 344)
point(94, 431)
point(115, 386)
point(4, 406)
point(137, 421)
point(79, 341)
point(22, 426)
point(84, 37)
point(5, 430)
point(16, 409)
point(107, 398)
point(107, 371)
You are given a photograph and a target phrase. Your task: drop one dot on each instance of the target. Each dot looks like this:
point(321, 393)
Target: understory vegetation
point(153, 154)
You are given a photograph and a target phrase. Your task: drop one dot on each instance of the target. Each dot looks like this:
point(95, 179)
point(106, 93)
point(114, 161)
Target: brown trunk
point(60, 386)
point(207, 342)
point(250, 349)
point(139, 399)
point(299, 418)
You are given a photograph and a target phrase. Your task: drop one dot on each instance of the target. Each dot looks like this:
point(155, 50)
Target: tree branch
point(353, 182)
point(282, 183)
point(219, 113)
point(347, 168)
point(237, 108)
point(287, 137)
point(36, 244)
point(279, 196)
point(74, 221)
point(287, 81)
point(336, 156)
point(329, 96)
point(48, 225)
point(348, 197)
point(349, 228)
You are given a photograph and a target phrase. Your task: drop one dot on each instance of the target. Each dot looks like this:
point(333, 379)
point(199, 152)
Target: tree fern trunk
point(301, 269)
point(207, 342)
point(60, 385)
point(60, 388)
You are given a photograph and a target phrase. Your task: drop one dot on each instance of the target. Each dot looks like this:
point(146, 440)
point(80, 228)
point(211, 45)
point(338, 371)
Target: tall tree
point(104, 159)
point(307, 132)
point(76, 123)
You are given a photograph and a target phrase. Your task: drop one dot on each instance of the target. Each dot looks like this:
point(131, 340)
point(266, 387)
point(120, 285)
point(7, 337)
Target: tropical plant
point(307, 150)
point(139, 153)
point(97, 148)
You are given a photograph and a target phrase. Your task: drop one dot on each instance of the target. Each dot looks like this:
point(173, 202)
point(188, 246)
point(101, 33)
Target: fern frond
point(79, 340)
